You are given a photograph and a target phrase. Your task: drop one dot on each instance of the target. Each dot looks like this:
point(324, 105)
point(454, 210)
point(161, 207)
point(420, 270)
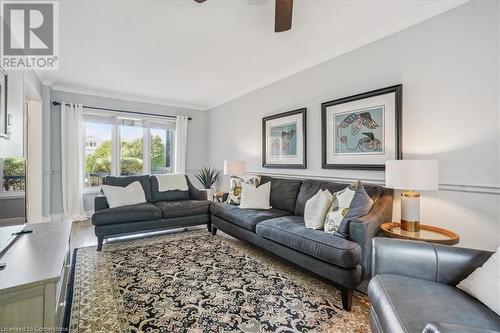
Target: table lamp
point(234, 168)
point(411, 176)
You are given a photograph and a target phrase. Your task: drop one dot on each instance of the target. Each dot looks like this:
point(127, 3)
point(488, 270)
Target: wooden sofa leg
point(346, 295)
point(100, 240)
point(214, 230)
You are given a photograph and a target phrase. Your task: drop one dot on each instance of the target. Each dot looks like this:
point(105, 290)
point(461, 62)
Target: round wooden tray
point(427, 233)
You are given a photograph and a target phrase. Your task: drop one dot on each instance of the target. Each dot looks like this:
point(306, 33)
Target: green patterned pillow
point(235, 187)
point(347, 204)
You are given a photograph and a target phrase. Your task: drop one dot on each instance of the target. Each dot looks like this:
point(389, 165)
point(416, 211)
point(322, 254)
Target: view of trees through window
point(98, 152)
point(131, 149)
point(160, 150)
point(13, 172)
point(99, 149)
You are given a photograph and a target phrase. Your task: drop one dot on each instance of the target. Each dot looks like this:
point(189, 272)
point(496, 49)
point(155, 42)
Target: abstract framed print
point(362, 131)
point(284, 140)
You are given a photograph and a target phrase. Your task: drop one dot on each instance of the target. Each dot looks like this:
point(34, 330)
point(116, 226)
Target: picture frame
point(284, 140)
point(3, 104)
point(362, 131)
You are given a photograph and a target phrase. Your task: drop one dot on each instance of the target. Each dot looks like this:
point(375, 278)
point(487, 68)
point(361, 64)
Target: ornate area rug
point(196, 282)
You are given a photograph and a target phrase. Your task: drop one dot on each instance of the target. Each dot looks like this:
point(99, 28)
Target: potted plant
point(207, 177)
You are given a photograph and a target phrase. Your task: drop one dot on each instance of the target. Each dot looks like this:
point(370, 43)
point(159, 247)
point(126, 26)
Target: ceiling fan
point(282, 14)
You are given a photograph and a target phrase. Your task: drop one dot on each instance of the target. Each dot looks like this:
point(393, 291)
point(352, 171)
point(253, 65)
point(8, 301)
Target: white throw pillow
point(172, 182)
point(255, 197)
point(484, 283)
point(316, 209)
point(117, 196)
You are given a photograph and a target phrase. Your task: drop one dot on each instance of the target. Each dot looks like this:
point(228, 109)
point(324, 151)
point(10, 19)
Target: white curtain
point(72, 161)
point(181, 124)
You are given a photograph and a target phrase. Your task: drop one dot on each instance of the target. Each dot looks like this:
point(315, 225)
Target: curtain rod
point(122, 111)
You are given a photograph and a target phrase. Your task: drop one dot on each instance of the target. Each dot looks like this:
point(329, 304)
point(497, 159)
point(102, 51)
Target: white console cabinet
point(33, 284)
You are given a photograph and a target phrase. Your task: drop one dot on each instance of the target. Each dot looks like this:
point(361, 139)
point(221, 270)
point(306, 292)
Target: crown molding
point(125, 97)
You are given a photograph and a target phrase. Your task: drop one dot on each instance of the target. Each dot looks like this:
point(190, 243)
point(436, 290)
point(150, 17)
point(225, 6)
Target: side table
point(427, 233)
point(218, 196)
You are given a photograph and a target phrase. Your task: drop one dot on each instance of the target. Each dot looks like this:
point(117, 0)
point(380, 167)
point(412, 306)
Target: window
point(98, 149)
point(13, 175)
point(124, 146)
point(161, 148)
point(131, 147)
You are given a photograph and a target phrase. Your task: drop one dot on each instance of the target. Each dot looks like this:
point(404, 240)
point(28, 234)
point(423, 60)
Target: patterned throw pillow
point(235, 187)
point(347, 204)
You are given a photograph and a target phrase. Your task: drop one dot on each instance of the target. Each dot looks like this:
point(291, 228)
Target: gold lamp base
point(410, 226)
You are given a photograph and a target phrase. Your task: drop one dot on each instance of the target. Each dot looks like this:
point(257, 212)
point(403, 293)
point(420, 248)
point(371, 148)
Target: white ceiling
point(183, 53)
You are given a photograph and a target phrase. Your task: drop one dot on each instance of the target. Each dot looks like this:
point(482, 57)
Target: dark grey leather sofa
point(413, 289)
point(163, 210)
point(281, 231)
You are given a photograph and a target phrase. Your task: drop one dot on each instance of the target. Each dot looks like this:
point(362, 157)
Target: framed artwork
point(284, 140)
point(362, 131)
point(3, 104)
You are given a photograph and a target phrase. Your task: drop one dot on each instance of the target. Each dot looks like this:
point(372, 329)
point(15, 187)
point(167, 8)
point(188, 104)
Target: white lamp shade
point(418, 175)
point(235, 168)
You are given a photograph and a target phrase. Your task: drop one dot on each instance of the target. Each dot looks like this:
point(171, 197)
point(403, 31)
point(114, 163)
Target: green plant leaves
point(207, 177)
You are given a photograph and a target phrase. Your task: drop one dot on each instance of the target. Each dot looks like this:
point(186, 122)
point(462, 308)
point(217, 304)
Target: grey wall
point(22, 86)
point(46, 156)
point(449, 67)
point(11, 208)
point(196, 152)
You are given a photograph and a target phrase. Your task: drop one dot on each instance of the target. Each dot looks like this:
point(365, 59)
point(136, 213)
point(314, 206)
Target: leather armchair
point(413, 289)
point(427, 261)
point(450, 328)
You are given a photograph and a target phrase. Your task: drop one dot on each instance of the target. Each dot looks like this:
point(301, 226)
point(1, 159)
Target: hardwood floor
point(82, 235)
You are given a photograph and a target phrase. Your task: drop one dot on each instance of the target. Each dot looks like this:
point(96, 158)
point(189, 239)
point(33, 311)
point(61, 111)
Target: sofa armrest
point(363, 229)
point(194, 193)
point(100, 203)
point(453, 328)
point(427, 261)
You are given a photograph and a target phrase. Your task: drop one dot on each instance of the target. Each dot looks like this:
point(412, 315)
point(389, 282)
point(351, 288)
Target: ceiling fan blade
point(283, 15)
point(200, 1)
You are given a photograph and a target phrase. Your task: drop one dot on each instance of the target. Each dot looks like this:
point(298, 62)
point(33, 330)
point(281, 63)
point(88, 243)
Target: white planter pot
point(210, 193)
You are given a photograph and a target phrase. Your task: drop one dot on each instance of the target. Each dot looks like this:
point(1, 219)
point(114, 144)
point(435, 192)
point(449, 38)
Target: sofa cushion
point(245, 218)
point(183, 208)
point(126, 180)
point(173, 195)
point(311, 187)
point(406, 304)
point(283, 192)
point(292, 232)
point(124, 214)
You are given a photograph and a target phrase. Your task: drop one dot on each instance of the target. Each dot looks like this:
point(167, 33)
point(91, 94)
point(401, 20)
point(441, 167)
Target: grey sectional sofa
point(281, 231)
point(413, 289)
point(163, 210)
